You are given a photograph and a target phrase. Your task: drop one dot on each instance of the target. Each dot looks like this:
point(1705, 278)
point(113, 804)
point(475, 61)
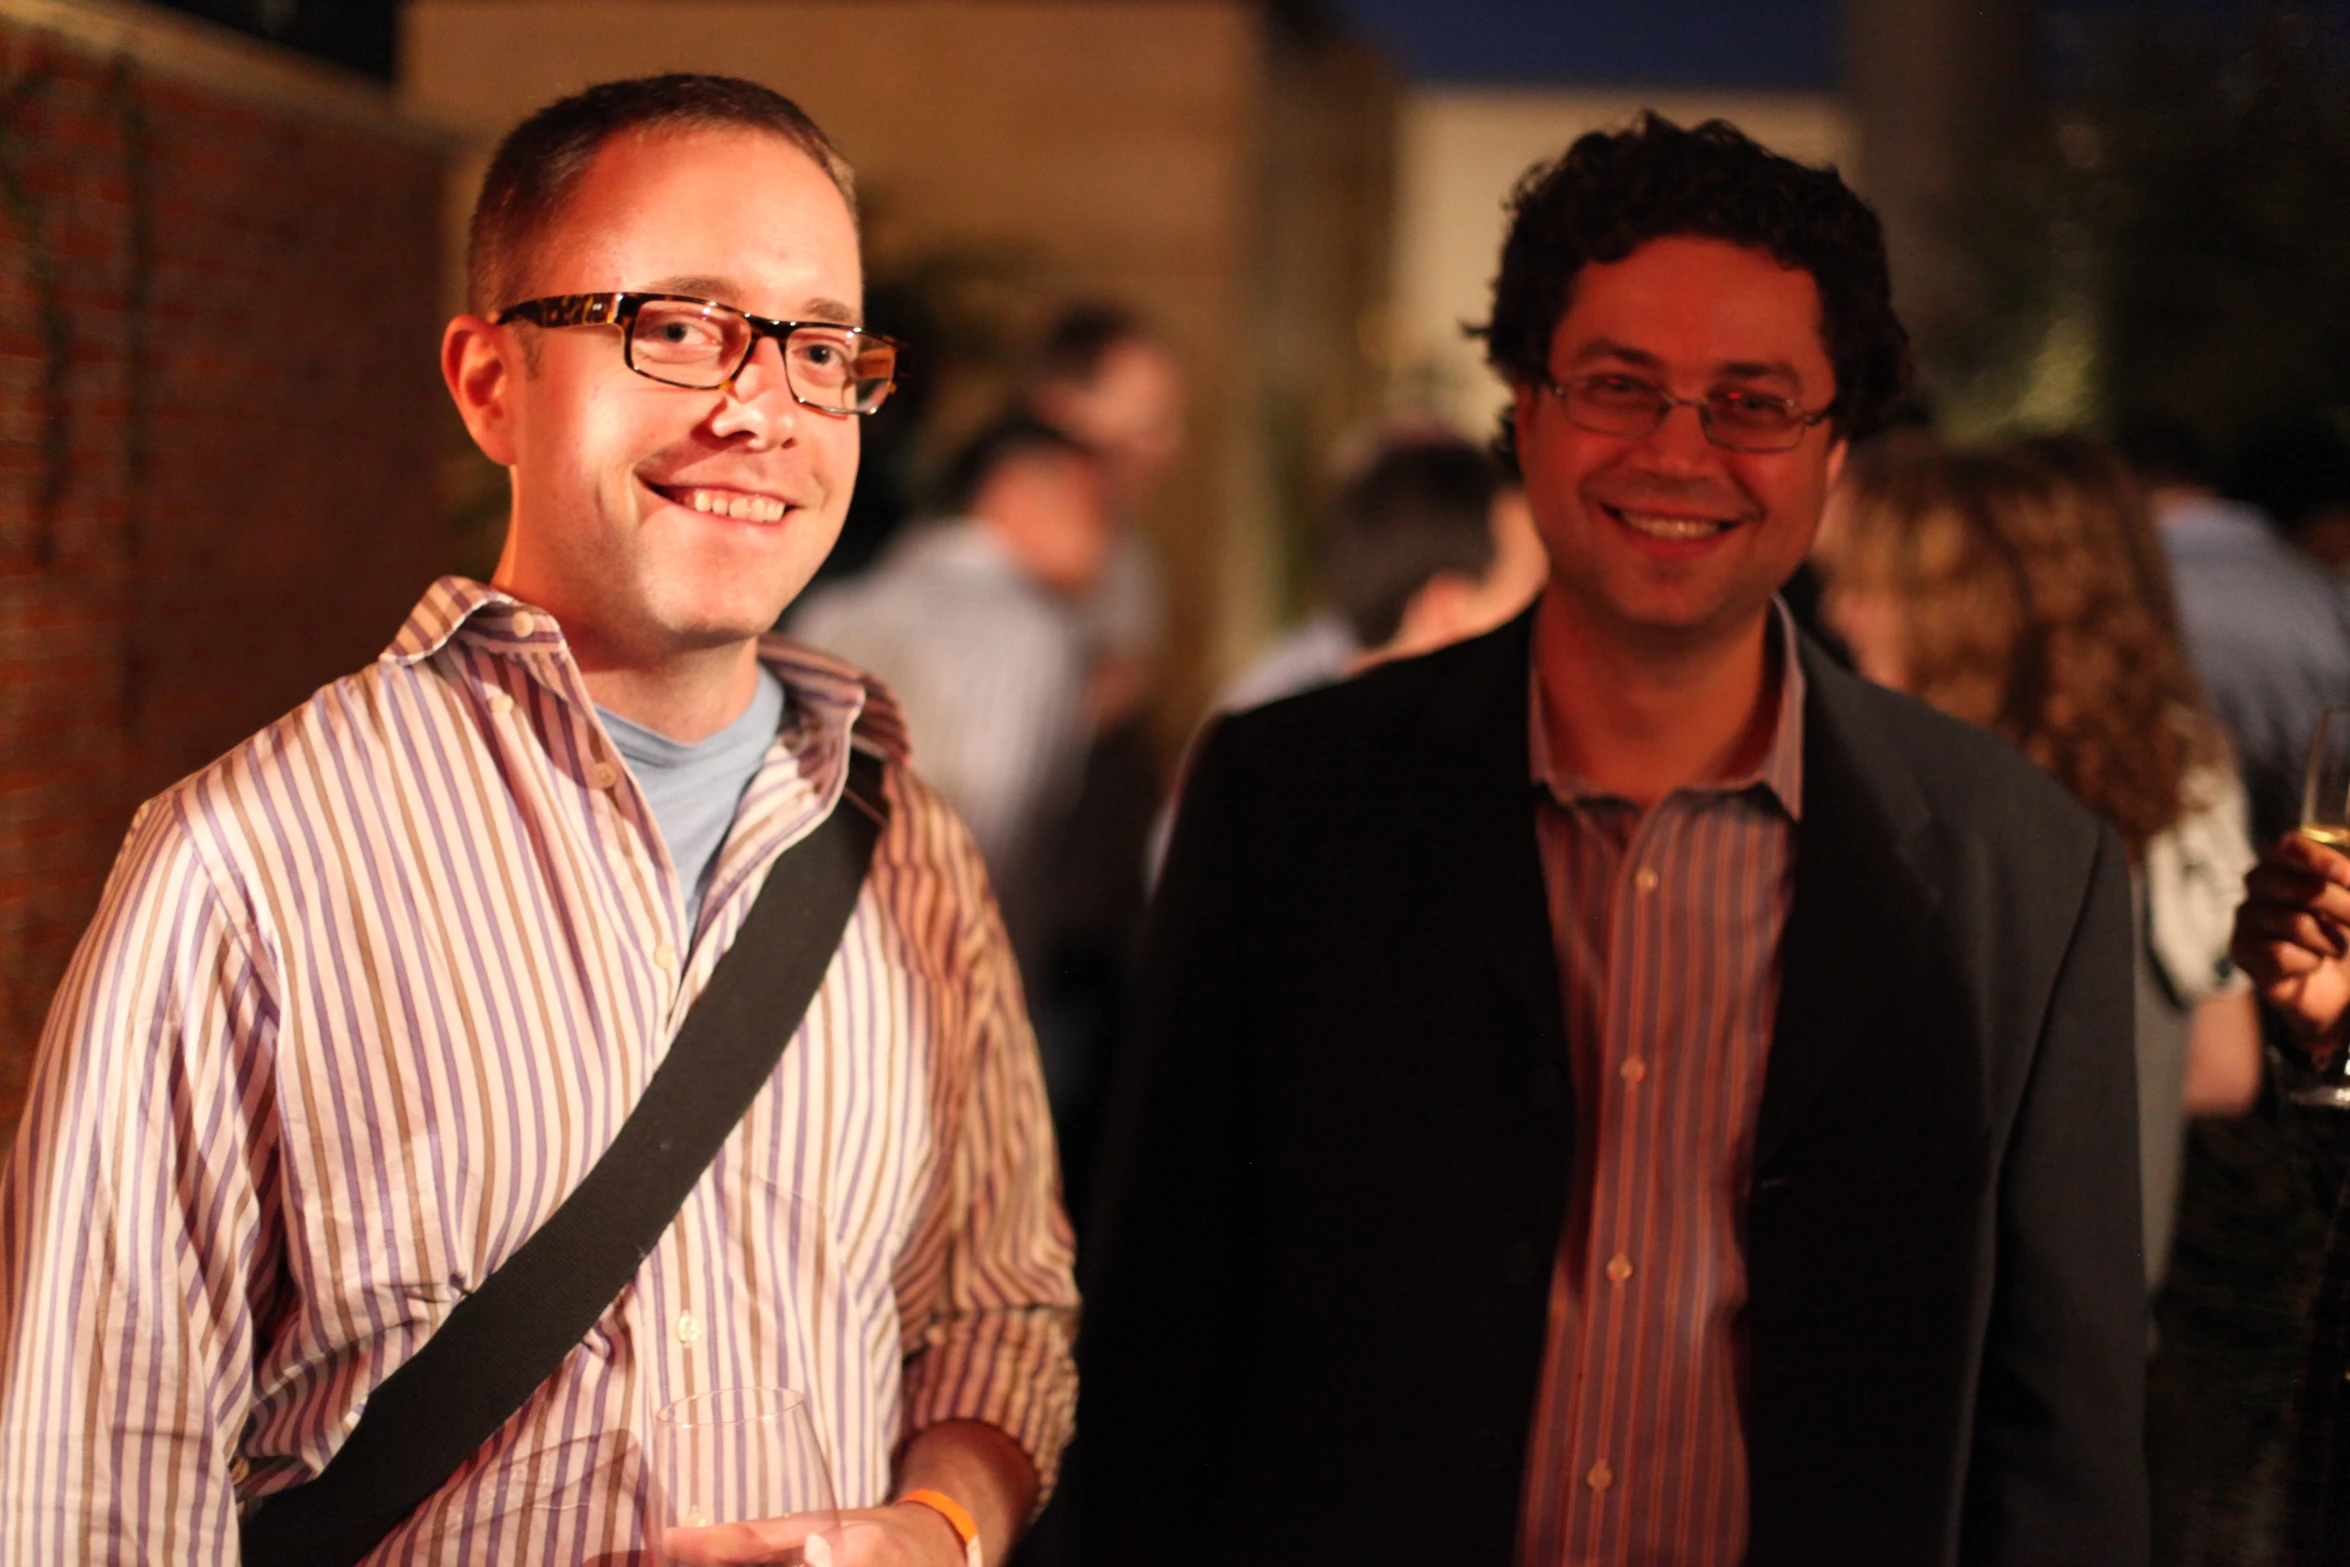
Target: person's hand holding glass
point(2292, 934)
point(742, 1478)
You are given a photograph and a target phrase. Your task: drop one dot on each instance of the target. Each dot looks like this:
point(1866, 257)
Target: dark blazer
point(1317, 1301)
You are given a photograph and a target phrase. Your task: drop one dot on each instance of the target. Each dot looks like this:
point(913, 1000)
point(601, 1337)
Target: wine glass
point(2325, 818)
point(743, 1464)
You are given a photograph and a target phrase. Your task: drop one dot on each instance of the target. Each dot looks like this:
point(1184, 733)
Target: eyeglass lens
point(703, 346)
point(1743, 421)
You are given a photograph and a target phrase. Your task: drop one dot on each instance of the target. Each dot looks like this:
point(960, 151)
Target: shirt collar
point(830, 693)
point(1779, 771)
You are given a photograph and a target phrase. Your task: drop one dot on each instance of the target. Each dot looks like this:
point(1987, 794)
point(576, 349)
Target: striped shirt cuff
point(1011, 1369)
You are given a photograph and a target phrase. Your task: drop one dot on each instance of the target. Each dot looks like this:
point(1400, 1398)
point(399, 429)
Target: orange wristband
point(965, 1527)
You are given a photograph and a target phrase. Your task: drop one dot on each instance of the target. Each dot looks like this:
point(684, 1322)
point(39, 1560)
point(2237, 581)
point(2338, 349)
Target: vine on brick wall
point(18, 100)
point(138, 177)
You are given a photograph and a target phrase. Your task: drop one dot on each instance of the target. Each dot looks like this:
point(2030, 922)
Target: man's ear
point(1838, 450)
point(483, 368)
point(1522, 396)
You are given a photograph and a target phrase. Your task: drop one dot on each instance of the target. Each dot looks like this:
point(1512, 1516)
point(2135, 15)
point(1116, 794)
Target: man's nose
point(1679, 443)
point(759, 400)
point(763, 372)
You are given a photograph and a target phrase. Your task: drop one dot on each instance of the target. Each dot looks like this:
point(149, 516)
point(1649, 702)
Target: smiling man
point(371, 995)
point(1622, 1090)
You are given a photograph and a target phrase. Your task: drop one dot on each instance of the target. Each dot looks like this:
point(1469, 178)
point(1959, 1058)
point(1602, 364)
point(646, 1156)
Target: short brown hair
point(536, 167)
point(1073, 350)
point(1421, 509)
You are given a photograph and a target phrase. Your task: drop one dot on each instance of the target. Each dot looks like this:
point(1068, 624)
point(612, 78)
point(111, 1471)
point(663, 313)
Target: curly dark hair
point(1616, 190)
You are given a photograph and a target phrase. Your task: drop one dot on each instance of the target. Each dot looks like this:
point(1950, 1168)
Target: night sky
point(1788, 44)
point(1649, 43)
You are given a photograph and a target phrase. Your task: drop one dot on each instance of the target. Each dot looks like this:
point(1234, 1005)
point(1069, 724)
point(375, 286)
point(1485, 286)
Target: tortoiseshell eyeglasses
point(703, 345)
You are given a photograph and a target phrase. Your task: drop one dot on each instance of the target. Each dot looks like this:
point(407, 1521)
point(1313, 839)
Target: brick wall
point(219, 418)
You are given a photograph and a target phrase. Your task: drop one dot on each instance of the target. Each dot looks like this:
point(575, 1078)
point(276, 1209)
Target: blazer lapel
point(1862, 899)
point(1487, 870)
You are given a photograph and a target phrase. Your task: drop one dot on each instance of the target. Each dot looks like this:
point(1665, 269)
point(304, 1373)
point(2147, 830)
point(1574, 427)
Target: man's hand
point(2292, 935)
point(976, 1464)
point(905, 1534)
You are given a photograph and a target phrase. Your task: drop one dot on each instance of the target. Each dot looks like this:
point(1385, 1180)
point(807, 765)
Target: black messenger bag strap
point(507, 1337)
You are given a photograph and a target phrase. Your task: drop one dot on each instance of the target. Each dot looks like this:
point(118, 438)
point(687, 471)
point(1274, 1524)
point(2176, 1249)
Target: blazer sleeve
point(2058, 1472)
point(1171, 1262)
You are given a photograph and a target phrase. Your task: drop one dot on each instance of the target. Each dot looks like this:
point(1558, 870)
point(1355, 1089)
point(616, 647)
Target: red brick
point(286, 517)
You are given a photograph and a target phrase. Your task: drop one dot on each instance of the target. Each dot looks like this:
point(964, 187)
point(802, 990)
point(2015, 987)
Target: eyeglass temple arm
point(567, 310)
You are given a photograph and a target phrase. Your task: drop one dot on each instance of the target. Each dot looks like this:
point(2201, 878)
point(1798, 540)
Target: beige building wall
point(1461, 150)
point(1079, 148)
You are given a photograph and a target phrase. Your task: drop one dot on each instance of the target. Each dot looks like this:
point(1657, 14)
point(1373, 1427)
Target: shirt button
point(664, 956)
point(1645, 880)
point(526, 624)
point(1633, 1069)
point(689, 1330)
point(1619, 1268)
point(1599, 1477)
point(500, 703)
point(604, 775)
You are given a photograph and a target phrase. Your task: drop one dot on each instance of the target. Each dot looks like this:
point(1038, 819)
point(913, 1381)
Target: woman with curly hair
point(2020, 587)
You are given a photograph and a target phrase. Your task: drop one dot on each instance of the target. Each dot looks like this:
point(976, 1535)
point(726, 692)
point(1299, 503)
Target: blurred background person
point(2268, 631)
point(2297, 471)
point(2293, 939)
point(2018, 587)
point(2267, 628)
point(1104, 378)
point(1427, 544)
point(976, 619)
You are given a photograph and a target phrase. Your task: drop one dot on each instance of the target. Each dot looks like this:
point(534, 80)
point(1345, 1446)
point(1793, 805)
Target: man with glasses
point(368, 997)
point(1621, 1089)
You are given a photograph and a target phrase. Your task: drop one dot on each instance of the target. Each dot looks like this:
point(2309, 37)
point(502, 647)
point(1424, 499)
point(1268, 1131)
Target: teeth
point(1672, 528)
point(736, 504)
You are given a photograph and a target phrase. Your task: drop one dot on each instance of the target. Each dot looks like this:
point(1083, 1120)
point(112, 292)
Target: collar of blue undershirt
point(694, 788)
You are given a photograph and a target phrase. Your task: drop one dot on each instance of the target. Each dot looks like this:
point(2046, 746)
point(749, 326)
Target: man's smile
point(1670, 527)
point(725, 501)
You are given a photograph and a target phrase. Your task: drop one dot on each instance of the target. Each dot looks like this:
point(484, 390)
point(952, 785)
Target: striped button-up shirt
point(1667, 924)
point(367, 997)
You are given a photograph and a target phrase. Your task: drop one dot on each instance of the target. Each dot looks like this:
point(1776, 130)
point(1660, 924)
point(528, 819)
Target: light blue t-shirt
point(694, 789)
